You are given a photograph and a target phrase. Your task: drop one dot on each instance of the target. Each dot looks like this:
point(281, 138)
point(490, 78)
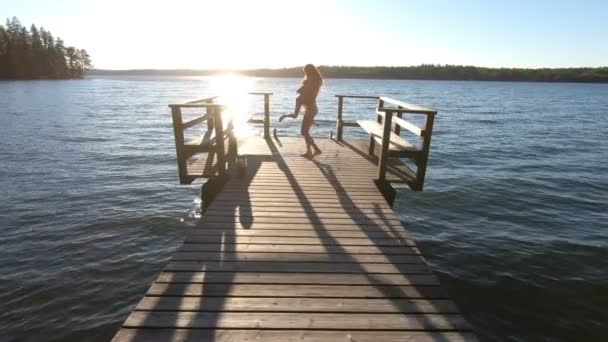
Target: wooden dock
point(298, 250)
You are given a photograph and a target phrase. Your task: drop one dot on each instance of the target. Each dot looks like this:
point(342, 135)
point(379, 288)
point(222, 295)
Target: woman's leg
point(309, 118)
point(305, 131)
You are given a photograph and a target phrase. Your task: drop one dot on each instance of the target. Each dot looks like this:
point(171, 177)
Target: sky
point(241, 34)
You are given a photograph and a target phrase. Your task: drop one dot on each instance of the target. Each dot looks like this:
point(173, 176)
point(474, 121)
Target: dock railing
point(217, 126)
point(387, 132)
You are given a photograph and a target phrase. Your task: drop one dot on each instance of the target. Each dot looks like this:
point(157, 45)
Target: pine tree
point(33, 53)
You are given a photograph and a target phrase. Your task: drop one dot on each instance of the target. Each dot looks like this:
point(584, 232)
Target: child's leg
point(295, 113)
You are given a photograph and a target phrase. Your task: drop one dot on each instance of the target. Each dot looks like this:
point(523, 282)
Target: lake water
point(514, 216)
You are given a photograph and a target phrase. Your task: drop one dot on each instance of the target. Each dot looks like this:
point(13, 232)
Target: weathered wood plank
point(296, 233)
point(326, 241)
point(244, 201)
point(296, 278)
point(258, 335)
point(297, 257)
point(295, 290)
point(303, 214)
point(249, 304)
point(294, 248)
point(317, 221)
point(246, 223)
point(266, 320)
point(256, 209)
point(299, 267)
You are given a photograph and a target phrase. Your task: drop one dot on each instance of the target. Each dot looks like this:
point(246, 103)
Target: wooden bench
point(386, 130)
point(397, 147)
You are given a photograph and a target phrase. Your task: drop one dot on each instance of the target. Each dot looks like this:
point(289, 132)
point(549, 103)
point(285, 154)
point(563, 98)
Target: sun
point(233, 90)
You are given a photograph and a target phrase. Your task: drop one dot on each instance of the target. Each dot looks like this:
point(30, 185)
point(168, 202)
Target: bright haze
point(233, 34)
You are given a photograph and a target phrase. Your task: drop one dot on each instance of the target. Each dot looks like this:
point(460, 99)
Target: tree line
point(449, 72)
point(36, 54)
point(420, 72)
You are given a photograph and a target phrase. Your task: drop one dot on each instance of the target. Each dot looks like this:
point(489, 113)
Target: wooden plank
point(294, 248)
point(194, 121)
point(300, 241)
point(262, 209)
point(408, 107)
point(296, 257)
point(294, 233)
point(245, 224)
point(295, 290)
point(233, 335)
point(245, 202)
point(284, 320)
point(311, 213)
point(249, 304)
point(371, 97)
point(296, 278)
point(297, 267)
point(336, 196)
point(313, 219)
point(405, 124)
point(396, 142)
point(299, 191)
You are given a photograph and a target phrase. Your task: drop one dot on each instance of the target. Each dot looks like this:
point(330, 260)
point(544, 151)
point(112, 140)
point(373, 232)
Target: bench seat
point(397, 145)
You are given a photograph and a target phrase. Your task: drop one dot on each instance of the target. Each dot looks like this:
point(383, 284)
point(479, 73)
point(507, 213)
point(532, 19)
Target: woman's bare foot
point(288, 115)
point(317, 151)
point(307, 155)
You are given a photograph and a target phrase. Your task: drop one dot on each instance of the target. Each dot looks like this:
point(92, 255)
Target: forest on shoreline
point(36, 54)
point(420, 72)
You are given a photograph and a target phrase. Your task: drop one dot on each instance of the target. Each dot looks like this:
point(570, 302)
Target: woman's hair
point(313, 74)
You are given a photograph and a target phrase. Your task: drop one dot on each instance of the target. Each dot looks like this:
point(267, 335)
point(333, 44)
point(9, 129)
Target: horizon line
point(347, 66)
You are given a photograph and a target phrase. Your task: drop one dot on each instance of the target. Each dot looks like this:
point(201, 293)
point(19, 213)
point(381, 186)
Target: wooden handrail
point(198, 105)
point(214, 119)
point(406, 107)
point(371, 97)
point(407, 110)
point(403, 123)
point(261, 93)
point(207, 100)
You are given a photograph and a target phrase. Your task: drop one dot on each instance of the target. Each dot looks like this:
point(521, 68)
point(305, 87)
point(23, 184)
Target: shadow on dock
point(190, 299)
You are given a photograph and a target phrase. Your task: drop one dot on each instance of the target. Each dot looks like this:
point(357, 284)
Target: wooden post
point(424, 155)
point(372, 141)
point(386, 138)
point(266, 116)
point(339, 122)
point(178, 132)
point(219, 141)
point(397, 127)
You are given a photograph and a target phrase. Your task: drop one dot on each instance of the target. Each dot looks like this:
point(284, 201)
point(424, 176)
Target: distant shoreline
point(422, 72)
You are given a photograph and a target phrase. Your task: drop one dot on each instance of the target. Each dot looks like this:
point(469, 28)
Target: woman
point(307, 98)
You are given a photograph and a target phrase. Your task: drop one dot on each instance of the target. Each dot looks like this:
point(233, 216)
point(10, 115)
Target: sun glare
point(233, 90)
